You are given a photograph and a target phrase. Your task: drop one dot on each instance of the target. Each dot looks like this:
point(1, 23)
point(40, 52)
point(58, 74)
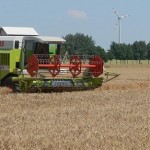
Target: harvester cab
point(33, 63)
point(41, 47)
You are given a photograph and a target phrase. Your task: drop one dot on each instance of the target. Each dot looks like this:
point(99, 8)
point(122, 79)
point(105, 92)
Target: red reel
point(56, 68)
point(32, 65)
point(98, 69)
point(75, 68)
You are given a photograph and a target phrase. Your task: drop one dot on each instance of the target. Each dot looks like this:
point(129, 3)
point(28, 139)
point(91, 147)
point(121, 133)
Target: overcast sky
point(91, 17)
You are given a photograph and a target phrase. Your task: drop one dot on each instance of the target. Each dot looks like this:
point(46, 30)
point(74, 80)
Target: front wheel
point(12, 85)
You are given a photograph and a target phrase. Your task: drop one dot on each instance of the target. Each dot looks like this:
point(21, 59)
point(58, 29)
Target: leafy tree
point(148, 51)
point(129, 52)
point(139, 50)
point(110, 55)
point(115, 50)
point(101, 52)
point(79, 44)
point(122, 51)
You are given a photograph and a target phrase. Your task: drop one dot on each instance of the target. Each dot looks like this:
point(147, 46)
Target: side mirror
point(16, 44)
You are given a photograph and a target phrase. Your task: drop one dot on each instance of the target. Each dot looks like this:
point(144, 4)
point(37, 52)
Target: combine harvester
point(32, 63)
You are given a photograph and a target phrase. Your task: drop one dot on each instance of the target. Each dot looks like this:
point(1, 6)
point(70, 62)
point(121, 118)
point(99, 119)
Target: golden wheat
point(115, 116)
point(5, 90)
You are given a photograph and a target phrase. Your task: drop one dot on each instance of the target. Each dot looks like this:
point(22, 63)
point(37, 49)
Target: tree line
point(80, 44)
point(139, 50)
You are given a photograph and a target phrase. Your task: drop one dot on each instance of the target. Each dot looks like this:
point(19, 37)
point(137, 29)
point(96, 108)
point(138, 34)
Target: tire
point(12, 85)
point(16, 88)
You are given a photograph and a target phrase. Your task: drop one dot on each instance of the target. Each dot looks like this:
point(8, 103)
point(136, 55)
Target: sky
point(94, 18)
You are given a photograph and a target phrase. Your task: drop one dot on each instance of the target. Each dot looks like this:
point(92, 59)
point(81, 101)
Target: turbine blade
point(114, 10)
point(125, 16)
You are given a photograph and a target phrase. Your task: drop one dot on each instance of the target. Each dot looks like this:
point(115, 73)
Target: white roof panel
point(51, 39)
point(46, 39)
point(21, 31)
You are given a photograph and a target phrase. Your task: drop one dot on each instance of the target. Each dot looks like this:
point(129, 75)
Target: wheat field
point(115, 116)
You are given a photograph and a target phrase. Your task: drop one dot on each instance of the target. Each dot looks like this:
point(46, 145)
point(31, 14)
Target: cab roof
point(17, 31)
point(45, 39)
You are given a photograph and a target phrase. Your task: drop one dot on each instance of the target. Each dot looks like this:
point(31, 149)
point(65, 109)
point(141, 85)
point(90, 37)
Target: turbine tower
point(119, 23)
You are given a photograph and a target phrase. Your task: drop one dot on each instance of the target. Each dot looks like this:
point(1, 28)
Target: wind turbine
point(119, 22)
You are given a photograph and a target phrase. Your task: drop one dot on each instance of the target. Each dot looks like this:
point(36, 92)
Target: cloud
point(78, 14)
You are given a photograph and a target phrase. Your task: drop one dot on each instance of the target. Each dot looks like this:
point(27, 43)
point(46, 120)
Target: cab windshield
point(44, 48)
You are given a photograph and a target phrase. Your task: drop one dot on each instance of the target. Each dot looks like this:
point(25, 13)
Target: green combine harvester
point(32, 63)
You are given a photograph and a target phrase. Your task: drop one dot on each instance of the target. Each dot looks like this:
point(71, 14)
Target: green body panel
point(9, 62)
point(15, 56)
